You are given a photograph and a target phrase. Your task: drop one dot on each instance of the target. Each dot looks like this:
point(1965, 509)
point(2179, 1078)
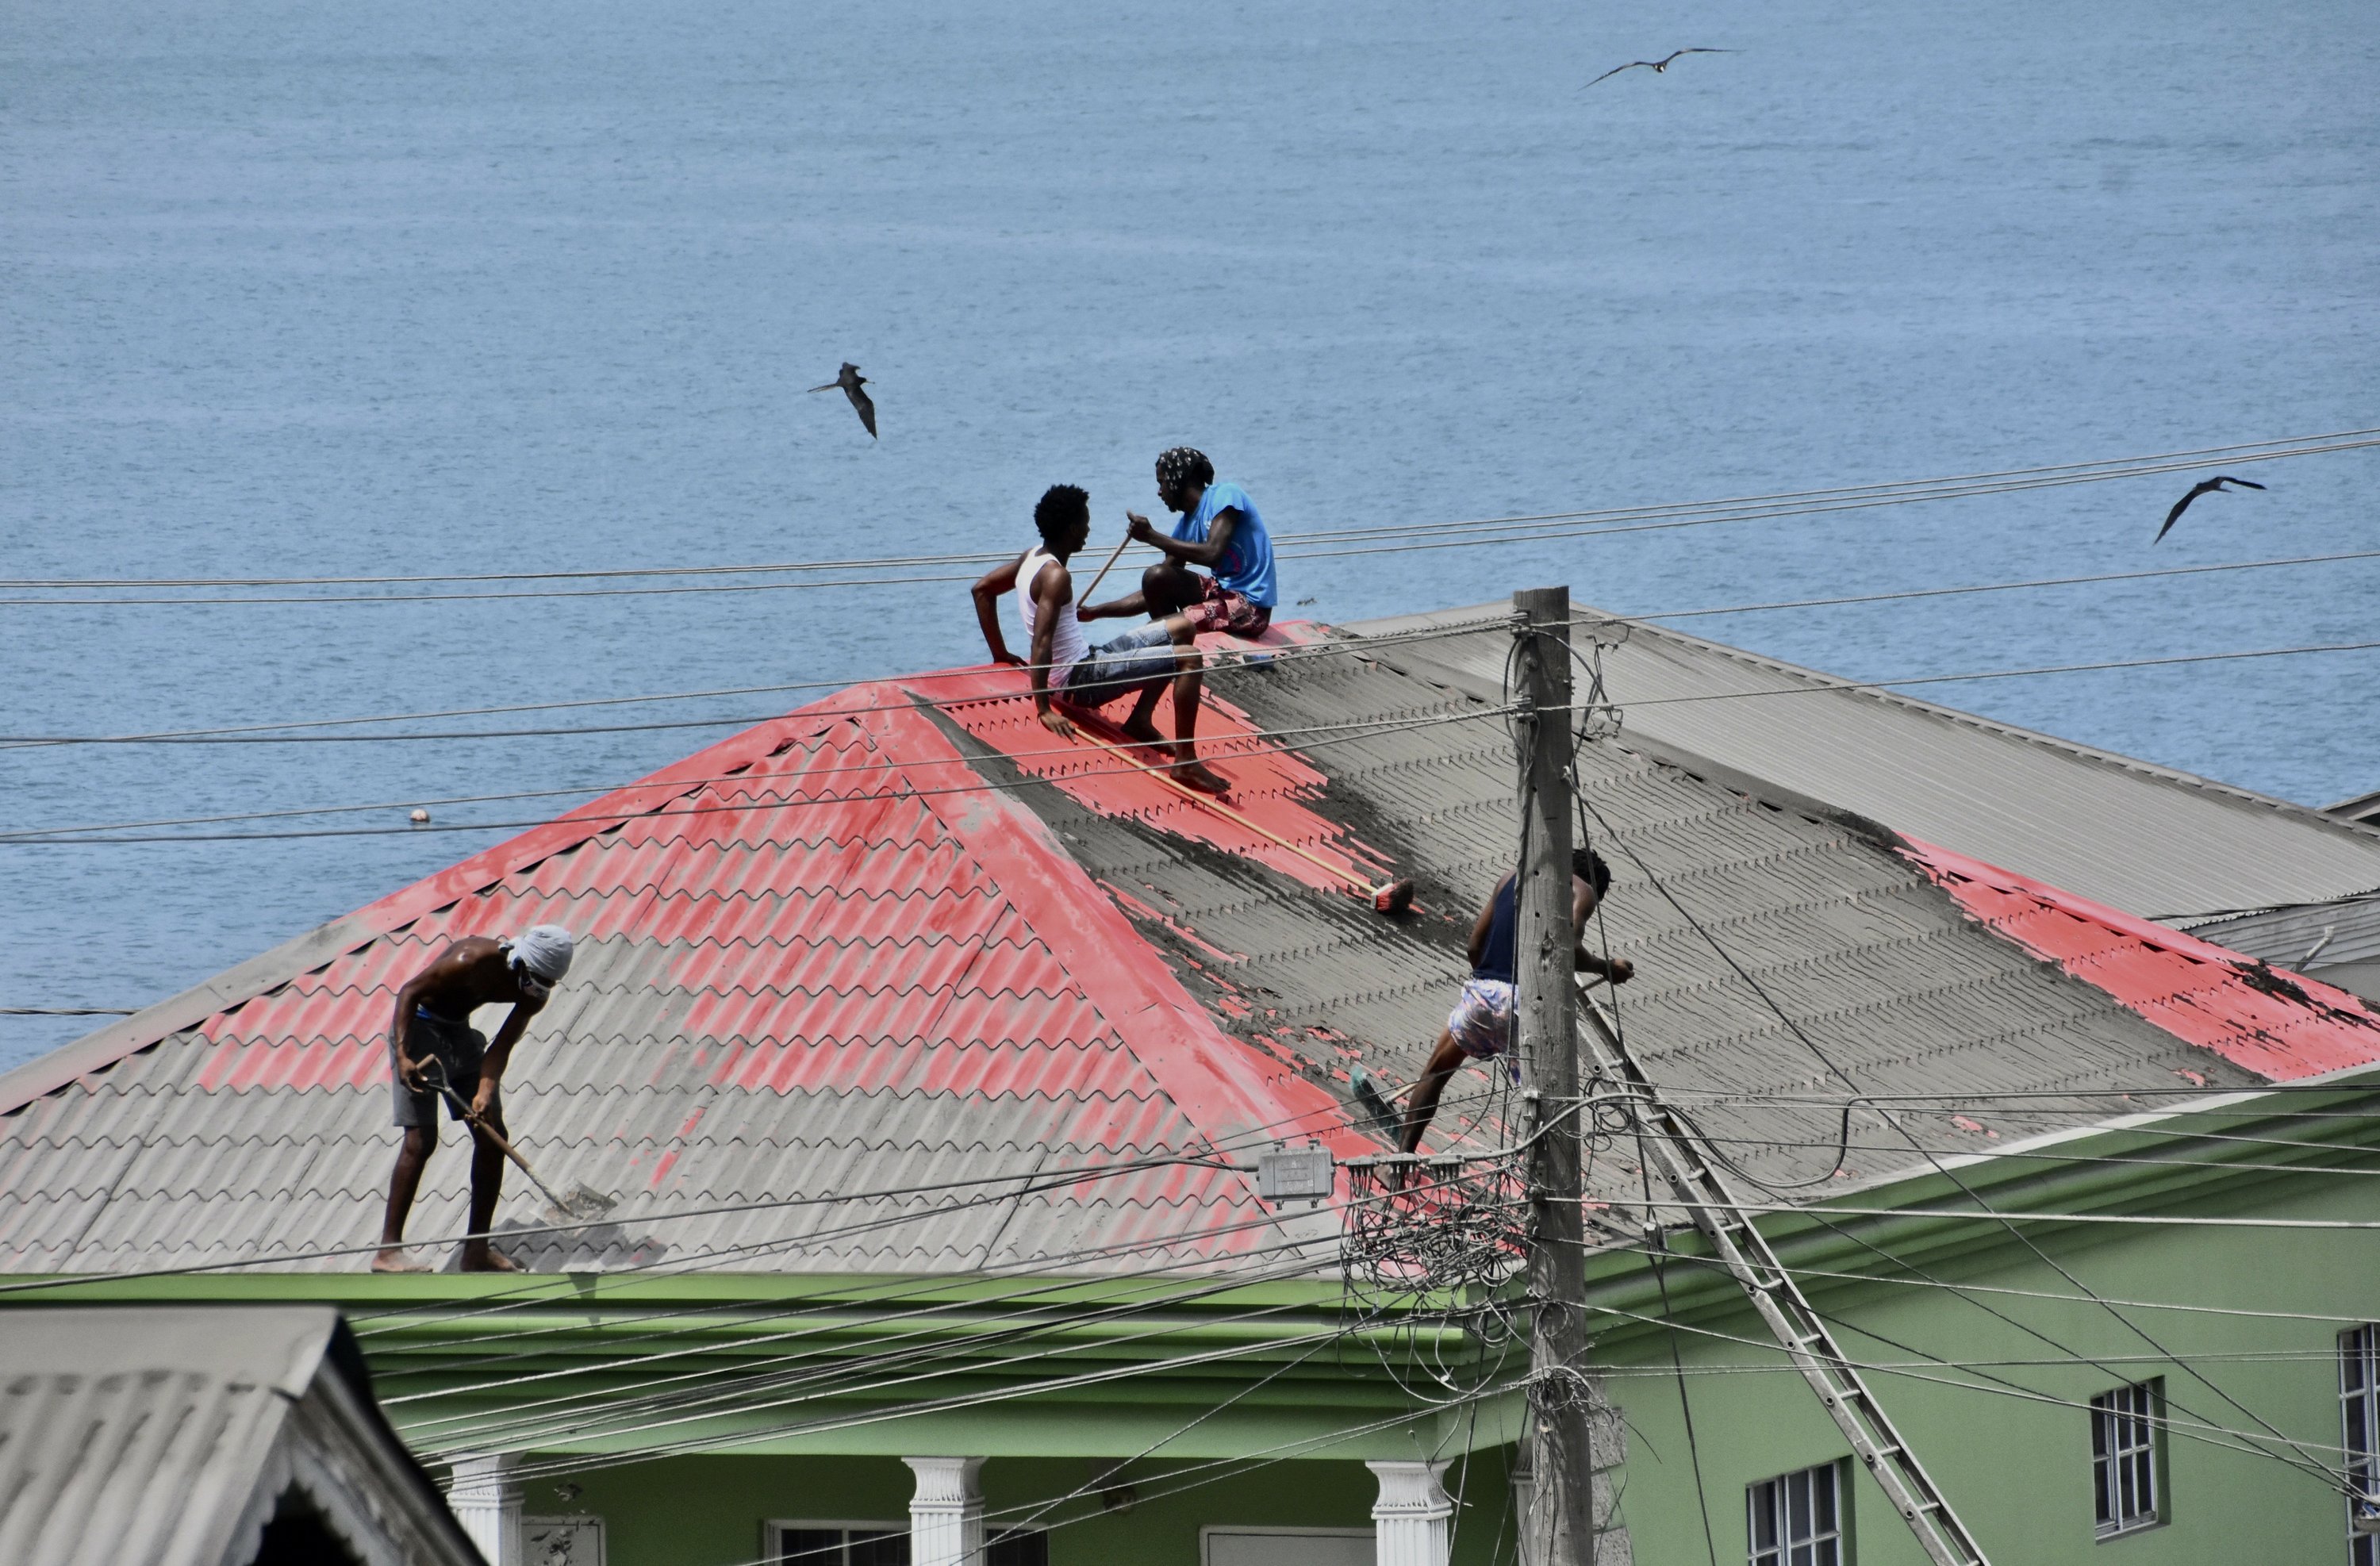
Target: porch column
point(486, 1499)
point(946, 1512)
point(1408, 1520)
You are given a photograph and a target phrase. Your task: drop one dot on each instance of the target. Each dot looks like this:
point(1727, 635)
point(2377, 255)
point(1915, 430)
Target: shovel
point(581, 1203)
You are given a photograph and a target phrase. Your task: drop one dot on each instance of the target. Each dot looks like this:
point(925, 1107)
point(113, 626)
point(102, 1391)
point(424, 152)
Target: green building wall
point(710, 1510)
point(2015, 1460)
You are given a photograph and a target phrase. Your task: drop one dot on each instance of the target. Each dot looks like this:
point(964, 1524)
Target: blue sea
point(315, 290)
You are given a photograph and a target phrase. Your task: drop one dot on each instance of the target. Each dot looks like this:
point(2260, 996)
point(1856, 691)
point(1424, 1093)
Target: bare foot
point(1142, 731)
point(392, 1258)
point(486, 1258)
point(1198, 775)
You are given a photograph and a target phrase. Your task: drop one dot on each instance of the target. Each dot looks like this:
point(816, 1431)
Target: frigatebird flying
point(849, 381)
point(2212, 486)
point(1660, 66)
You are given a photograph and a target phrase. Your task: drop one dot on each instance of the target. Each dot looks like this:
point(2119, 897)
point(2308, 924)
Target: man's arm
point(1619, 970)
point(450, 965)
point(996, 581)
point(1053, 591)
point(1134, 604)
point(500, 1054)
point(1218, 538)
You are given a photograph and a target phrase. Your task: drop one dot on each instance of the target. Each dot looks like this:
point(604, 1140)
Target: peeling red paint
point(2279, 1026)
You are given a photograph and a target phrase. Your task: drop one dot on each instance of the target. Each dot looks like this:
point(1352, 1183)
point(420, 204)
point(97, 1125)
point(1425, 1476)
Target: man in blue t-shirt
point(1219, 529)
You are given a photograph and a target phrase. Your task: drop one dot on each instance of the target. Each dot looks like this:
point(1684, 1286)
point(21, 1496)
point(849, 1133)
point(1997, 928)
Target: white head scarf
point(542, 950)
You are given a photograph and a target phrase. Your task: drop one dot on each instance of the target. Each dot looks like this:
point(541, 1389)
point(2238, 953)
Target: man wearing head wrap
point(1220, 529)
point(431, 1041)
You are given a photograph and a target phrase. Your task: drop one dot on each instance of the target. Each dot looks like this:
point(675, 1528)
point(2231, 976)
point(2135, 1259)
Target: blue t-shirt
point(1246, 565)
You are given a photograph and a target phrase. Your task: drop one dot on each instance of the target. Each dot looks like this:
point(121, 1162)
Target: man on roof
point(1220, 529)
point(433, 1053)
point(1481, 1025)
point(1067, 671)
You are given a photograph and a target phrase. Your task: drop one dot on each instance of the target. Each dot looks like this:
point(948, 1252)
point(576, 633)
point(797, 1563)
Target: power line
point(1369, 730)
point(1364, 646)
point(2005, 586)
point(1895, 491)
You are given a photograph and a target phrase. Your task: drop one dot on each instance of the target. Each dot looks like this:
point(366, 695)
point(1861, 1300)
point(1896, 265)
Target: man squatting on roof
point(1481, 1026)
point(1066, 669)
point(432, 1040)
point(1219, 529)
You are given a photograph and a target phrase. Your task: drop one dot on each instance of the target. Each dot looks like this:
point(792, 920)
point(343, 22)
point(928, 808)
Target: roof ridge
point(387, 916)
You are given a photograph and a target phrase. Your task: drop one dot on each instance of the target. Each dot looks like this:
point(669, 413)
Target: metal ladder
point(1687, 1163)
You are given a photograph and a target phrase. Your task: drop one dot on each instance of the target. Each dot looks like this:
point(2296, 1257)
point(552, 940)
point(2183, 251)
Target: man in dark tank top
point(1481, 1024)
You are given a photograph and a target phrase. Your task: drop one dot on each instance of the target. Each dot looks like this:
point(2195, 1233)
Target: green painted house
point(936, 1066)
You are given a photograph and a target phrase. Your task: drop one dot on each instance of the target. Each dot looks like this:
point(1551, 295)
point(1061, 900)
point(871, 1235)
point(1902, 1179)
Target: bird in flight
point(849, 381)
point(2212, 486)
point(1658, 67)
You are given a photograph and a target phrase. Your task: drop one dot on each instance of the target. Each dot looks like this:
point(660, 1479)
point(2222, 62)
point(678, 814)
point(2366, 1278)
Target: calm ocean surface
point(450, 288)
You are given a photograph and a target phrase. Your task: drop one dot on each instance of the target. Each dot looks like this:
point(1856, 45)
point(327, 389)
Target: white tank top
point(1067, 644)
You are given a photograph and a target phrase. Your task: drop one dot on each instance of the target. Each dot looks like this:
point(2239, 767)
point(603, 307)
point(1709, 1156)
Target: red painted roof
point(2279, 1024)
point(822, 956)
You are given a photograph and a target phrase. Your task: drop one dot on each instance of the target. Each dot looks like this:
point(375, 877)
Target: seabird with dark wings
point(2212, 486)
point(848, 383)
point(1658, 67)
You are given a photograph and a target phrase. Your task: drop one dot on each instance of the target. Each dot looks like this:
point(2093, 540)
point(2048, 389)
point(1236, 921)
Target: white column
point(946, 1514)
point(1408, 1520)
point(486, 1499)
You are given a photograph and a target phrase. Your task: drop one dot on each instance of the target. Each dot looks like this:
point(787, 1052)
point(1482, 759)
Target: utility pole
point(1561, 1525)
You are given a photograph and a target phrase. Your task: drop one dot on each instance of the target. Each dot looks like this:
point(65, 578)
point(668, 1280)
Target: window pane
point(879, 1550)
point(1764, 1516)
point(1797, 1511)
point(1018, 1547)
point(1823, 1481)
point(809, 1546)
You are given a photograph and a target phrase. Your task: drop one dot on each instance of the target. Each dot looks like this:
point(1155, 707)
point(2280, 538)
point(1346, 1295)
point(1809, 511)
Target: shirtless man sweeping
point(1067, 671)
point(432, 1040)
point(1481, 1025)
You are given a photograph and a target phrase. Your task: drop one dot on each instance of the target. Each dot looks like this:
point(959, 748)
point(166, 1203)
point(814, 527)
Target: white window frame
point(1259, 1530)
point(2358, 1419)
point(2127, 1459)
point(1820, 1544)
point(773, 1531)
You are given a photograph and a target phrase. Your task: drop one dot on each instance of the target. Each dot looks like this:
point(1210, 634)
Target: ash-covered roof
point(173, 1435)
point(2149, 840)
point(905, 943)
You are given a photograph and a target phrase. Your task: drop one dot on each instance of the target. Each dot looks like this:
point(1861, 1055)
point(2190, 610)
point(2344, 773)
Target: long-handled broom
point(582, 1202)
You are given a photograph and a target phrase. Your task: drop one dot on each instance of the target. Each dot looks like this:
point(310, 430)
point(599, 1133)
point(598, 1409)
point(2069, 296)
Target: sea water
point(430, 287)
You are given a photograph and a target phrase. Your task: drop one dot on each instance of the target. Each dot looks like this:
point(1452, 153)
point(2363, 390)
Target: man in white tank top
point(1067, 671)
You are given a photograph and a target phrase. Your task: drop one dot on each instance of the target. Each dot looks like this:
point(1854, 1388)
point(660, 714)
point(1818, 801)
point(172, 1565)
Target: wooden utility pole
point(1561, 1526)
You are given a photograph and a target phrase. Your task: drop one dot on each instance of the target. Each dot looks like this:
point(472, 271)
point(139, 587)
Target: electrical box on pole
point(1559, 1528)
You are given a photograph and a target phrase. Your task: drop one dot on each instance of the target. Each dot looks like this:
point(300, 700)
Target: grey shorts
point(457, 1048)
point(1140, 660)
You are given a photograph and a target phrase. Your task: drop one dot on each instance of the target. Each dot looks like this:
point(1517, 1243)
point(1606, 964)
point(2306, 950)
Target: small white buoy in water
point(421, 817)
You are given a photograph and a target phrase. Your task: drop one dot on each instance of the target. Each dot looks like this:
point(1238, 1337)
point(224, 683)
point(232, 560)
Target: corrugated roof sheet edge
point(2232, 792)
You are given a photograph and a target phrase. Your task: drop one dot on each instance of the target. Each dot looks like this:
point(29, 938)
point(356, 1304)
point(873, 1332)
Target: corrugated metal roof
point(820, 958)
point(162, 1434)
point(2143, 838)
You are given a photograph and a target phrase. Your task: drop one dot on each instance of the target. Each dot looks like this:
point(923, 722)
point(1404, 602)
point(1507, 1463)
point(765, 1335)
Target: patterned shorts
point(1481, 1024)
point(1223, 610)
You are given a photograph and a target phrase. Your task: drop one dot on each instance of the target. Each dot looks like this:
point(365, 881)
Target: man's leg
point(1421, 1106)
point(1188, 681)
point(411, 1155)
point(487, 1184)
point(1140, 724)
